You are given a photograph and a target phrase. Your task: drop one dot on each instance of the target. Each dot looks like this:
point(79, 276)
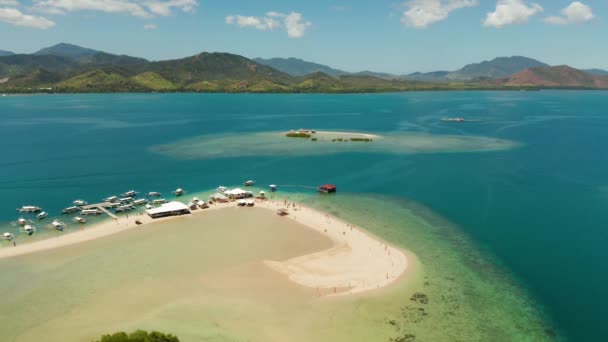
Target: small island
point(315, 136)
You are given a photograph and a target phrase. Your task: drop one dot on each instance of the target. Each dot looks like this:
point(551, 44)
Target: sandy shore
point(357, 261)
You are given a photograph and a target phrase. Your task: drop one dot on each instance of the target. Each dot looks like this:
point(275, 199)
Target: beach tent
point(238, 193)
point(219, 197)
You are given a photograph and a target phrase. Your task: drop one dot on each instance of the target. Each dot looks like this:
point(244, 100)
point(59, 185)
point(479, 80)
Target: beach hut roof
point(168, 207)
point(218, 195)
point(237, 191)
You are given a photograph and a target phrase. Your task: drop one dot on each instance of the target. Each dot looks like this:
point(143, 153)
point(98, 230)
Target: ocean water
point(531, 212)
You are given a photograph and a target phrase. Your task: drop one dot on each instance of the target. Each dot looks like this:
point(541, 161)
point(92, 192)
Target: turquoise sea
point(527, 184)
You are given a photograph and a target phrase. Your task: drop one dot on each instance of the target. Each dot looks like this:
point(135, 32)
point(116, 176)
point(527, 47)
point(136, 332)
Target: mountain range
point(70, 68)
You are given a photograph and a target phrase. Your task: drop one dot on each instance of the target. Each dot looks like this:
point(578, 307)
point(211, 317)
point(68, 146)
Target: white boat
point(130, 193)
point(159, 201)
point(125, 199)
point(148, 206)
point(80, 202)
point(222, 189)
point(70, 210)
point(111, 199)
point(90, 212)
point(273, 188)
point(123, 208)
point(7, 236)
point(57, 225)
point(42, 215)
point(178, 192)
point(80, 219)
point(262, 194)
point(29, 230)
point(153, 194)
point(140, 201)
point(22, 221)
point(195, 200)
point(29, 209)
point(249, 183)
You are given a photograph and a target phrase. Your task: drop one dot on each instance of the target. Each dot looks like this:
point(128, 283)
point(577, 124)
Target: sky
point(353, 35)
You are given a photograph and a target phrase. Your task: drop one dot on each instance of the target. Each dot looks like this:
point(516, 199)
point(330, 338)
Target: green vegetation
point(81, 70)
point(139, 336)
point(361, 139)
point(313, 139)
point(298, 135)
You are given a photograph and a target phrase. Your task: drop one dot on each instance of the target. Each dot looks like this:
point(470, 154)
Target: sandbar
point(356, 262)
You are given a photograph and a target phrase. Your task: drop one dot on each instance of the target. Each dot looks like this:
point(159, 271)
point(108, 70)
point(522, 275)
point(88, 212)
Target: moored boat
point(42, 215)
point(249, 183)
point(22, 221)
point(7, 236)
point(130, 193)
point(70, 210)
point(178, 192)
point(153, 194)
point(58, 225)
point(141, 201)
point(327, 188)
point(80, 202)
point(29, 209)
point(272, 187)
point(159, 201)
point(80, 219)
point(90, 212)
point(29, 230)
point(111, 199)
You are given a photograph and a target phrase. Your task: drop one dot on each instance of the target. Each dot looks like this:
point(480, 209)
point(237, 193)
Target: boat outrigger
point(141, 201)
point(29, 209)
point(111, 199)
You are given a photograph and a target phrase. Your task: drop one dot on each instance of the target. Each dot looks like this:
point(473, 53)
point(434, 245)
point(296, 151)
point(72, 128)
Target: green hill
point(153, 81)
point(101, 80)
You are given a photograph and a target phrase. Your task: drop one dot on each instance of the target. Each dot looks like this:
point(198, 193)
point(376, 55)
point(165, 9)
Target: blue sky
point(389, 36)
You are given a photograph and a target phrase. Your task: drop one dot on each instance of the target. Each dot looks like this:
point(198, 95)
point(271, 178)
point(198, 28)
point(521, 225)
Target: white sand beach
point(357, 261)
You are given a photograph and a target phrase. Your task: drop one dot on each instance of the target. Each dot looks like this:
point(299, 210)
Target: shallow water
point(537, 212)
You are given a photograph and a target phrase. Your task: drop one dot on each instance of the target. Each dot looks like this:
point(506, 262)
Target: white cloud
point(15, 17)
point(296, 25)
point(294, 22)
point(9, 3)
point(150, 27)
point(137, 8)
point(264, 23)
point(575, 13)
point(422, 13)
point(511, 12)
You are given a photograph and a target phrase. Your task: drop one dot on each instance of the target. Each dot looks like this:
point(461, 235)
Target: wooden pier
point(101, 206)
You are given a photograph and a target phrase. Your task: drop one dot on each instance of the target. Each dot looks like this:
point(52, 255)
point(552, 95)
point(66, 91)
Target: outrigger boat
point(70, 210)
point(90, 212)
point(159, 201)
point(29, 230)
point(42, 215)
point(123, 208)
point(222, 189)
point(7, 236)
point(80, 219)
point(57, 225)
point(111, 199)
point(178, 192)
point(140, 201)
point(29, 209)
point(249, 183)
point(22, 221)
point(153, 194)
point(130, 193)
point(80, 202)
